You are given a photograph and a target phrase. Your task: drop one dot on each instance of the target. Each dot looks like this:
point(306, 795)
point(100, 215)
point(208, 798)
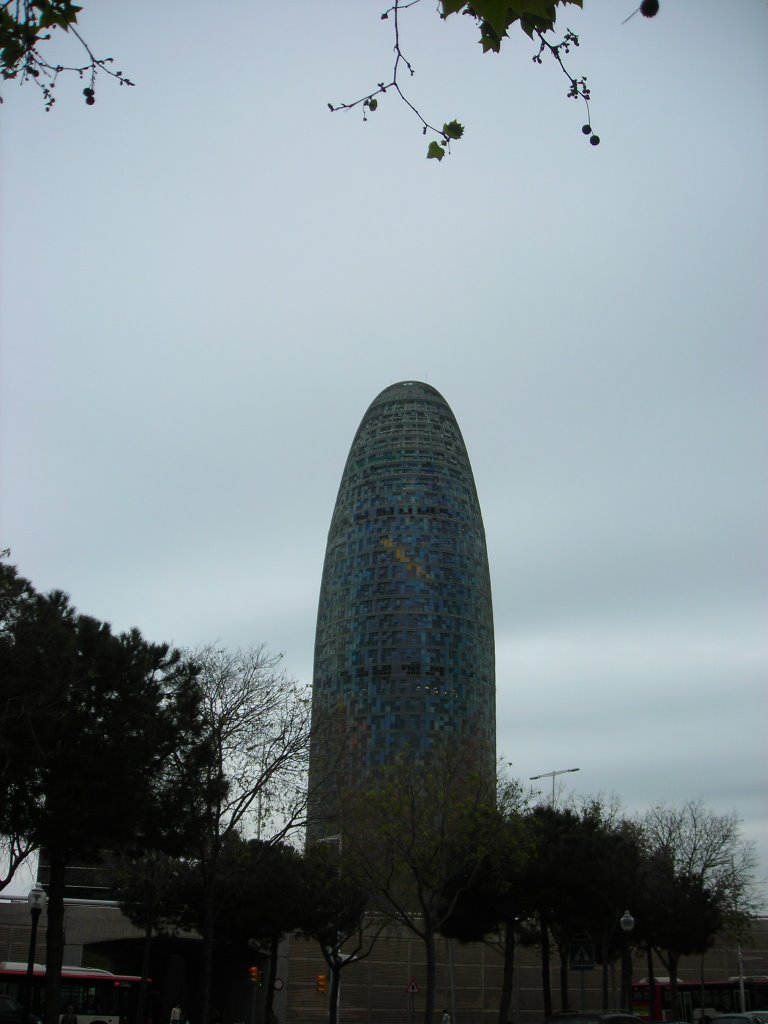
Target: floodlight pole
point(553, 776)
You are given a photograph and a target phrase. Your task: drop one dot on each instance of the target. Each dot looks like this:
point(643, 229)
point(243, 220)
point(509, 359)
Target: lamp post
point(627, 923)
point(36, 901)
point(553, 776)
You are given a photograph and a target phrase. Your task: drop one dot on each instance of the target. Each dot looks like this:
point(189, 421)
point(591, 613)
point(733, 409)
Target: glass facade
point(404, 650)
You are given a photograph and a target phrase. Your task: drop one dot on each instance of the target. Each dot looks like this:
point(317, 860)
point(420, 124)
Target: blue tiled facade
point(404, 650)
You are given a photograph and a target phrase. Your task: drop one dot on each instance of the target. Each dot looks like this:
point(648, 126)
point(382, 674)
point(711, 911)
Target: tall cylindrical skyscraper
point(404, 651)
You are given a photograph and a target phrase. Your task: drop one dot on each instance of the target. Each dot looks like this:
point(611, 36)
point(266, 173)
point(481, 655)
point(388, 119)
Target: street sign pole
point(412, 989)
point(581, 958)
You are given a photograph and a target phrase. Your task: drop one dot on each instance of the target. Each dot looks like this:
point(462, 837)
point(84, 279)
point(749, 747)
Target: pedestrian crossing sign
point(582, 956)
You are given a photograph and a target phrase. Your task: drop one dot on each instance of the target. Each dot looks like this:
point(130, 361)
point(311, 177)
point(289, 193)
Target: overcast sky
point(207, 278)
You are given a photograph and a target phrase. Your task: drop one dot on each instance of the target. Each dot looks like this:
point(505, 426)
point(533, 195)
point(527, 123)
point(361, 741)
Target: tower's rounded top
point(406, 389)
point(411, 392)
point(407, 401)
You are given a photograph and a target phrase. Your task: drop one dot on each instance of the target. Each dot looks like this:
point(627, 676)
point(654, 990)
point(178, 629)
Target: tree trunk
point(606, 937)
point(274, 946)
point(546, 981)
point(209, 917)
point(146, 954)
point(429, 1001)
point(54, 955)
point(508, 979)
point(651, 985)
point(674, 959)
point(565, 997)
point(333, 1002)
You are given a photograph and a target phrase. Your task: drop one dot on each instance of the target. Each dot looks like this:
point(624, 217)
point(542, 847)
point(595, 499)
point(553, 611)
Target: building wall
point(374, 991)
point(469, 980)
point(97, 934)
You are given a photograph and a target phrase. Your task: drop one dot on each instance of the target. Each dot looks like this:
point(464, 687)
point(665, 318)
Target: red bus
point(697, 999)
point(97, 997)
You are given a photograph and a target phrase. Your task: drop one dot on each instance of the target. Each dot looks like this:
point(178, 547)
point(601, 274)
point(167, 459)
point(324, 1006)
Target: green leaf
point(452, 6)
point(496, 12)
point(453, 130)
point(500, 15)
point(12, 54)
point(536, 9)
point(435, 151)
point(62, 14)
point(372, 104)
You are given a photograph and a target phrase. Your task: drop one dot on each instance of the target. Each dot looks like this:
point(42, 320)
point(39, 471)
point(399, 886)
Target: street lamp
point(36, 901)
point(627, 923)
point(553, 776)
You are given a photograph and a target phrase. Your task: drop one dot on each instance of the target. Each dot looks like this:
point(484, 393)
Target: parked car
point(749, 1017)
point(596, 1017)
point(12, 1012)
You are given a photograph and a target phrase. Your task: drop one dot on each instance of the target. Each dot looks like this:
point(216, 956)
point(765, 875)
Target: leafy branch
point(451, 130)
point(24, 26)
point(535, 18)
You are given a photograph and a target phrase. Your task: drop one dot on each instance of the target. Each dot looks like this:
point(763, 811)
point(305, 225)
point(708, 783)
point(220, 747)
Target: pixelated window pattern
point(405, 597)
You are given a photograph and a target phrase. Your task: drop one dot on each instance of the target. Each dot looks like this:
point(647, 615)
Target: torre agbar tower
point(404, 652)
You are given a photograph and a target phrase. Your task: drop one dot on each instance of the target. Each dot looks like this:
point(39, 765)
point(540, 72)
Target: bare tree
point(252, 761)
point(14, 850)
point(707, 846)
point(699, 879)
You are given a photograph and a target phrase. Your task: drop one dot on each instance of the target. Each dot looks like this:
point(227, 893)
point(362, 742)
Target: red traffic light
point(322, 982)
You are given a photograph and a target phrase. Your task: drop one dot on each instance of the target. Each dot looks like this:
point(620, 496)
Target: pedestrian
point(70, 1017)
point(446, 1018)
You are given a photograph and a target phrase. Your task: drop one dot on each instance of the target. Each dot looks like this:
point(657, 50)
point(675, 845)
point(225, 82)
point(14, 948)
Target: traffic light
point(321, 981)
point(256, 975)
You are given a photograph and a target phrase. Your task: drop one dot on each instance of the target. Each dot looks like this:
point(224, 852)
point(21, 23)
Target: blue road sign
point(582, 956)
